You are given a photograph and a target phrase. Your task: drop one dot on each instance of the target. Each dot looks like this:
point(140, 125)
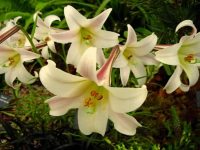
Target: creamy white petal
point(187, 23)
point(191, 46)
point(125, 100)
point(50, 19)
point(192, 72)
point(98, 21)
point(61, 83)
point(169, 55)
point(149, 59)
point(61, 105)
point(10, 76)
point(105, 39)
point(100, 57)
point(74, 19)
point(3, 70)
point(139, 71)
point(93, 122)
point(5, 53)
point(87, 64)
point(51, 46)
point(40, 23)
point(145, 46)
point(132, 37)
point(27, 55)
point(74, 53)
point(64, 36)
point(23, 75)
point(124, 75)
point(124, 123)
point(174, 82)
point(45, 52)
point(121, 61)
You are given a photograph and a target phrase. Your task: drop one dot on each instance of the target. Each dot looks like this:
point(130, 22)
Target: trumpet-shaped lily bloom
point(185, 56)
point(11, 63)
point(95, 99)
point(17, 40)
point(134, 56)
point(42, 33)
point(85, 33)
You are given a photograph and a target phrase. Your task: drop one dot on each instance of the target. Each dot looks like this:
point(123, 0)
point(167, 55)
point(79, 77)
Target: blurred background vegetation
point(170, 122)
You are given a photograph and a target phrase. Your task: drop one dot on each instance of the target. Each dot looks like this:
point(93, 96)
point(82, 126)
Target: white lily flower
point(95, 99)
point(17, 40)
point(11, 63)
point(42, 33)
point(134, 56)
point(185, 56)
point(85, 33)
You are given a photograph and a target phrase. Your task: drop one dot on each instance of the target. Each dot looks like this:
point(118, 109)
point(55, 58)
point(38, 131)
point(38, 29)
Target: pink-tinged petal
point(27, 55)
point(139, 71)
point(65, 36)
point(100, 57)
point(123, 100)
point(103, 74)
point(61, 105)
point(23, 75)
point(87, 64)
point(169, 55)
point(98, 21)
point(41, 33)
point(161, 46)
point(40, 23)
point(93, 122)
point(51, 46)
point(10, 76)
point(149, 59)
point(105, 39)
point(192, 72)
point(120, 61)
point(132, 37)
point(124, 74)
point(146, 45)
point(187, 23)
point(50, 19)
point(61, 83)
point(174, 82)
point(74, 19)
point(124, 123)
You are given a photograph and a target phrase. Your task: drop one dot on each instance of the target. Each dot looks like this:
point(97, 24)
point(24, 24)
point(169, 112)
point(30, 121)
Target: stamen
point(91, 101)
point(46, 39)
point(190, 58)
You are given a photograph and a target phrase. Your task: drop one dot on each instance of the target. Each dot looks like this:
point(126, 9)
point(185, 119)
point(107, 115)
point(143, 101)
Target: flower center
point(92, 101)
point(11, 61)
point(190, 58)
point(86, 37)
point(128, 54)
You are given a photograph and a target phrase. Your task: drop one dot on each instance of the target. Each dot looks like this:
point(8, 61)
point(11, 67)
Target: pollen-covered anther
point(96, 95)
point(190, 58)
point(88, 102)
point(87, 37)
point(46, 39)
